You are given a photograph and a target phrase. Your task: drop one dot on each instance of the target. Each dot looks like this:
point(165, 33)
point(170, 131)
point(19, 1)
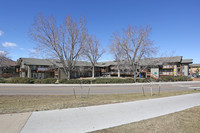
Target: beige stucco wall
point(29, 72)
point(185, 70)
point(62, 75)
point(23, 74)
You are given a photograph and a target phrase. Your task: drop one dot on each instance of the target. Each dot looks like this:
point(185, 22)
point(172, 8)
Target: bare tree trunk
point(118, 72)
point(135, 71)
point(92, 71)
point(92, 51)
point(68, 75)
point(135, 76)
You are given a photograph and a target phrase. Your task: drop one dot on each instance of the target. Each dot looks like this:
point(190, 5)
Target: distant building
point(152, 67)
point(194, 69)
point(8, 68)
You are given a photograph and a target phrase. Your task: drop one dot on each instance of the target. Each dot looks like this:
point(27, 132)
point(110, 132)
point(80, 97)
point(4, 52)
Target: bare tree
point(3, 53)
point(3, 57)
point(116, 51)
point(168, 53)
point(64, 42)
point(136, 45)
point(93, 51)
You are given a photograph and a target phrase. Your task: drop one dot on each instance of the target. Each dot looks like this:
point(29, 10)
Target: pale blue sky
point(175, 23)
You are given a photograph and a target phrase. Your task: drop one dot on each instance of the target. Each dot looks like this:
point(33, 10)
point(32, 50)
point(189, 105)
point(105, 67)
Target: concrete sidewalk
point(13, 123)
point(86, 119)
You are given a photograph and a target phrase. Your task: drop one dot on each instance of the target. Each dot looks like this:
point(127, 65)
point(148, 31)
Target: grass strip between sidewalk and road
point(30, 103)
point(187, 121)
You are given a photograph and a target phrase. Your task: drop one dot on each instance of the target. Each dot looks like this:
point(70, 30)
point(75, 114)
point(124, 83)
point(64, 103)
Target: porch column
point(186, 69)
point(29, 72)
point(175, 70)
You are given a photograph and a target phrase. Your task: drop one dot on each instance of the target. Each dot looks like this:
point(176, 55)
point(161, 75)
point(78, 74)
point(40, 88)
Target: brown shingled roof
point(187, 61)
point(195, 65)
point(7, 62)
point(147, 61)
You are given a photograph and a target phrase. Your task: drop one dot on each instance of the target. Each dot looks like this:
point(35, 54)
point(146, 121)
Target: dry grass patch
point(187, 121)
point(29, 103)
point(196, 79)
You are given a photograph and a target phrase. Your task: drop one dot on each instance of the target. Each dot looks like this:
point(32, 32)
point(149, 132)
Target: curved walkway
point(86, 119)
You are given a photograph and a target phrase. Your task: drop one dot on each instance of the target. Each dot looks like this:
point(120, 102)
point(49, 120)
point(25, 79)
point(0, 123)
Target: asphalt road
point(94, 89)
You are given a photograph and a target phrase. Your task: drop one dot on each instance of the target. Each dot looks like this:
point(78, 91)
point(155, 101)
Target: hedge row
point(166, 79)
point(45, 81)
point(2, 81)
point(65, 81)
point(172, 79)
point(97, 81)
point(93, 81)
point(29, 80)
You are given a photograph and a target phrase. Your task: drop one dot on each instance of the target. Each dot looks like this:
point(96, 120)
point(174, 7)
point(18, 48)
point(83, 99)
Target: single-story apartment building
point(152, 67)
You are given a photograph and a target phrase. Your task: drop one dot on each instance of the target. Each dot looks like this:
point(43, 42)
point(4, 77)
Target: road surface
point(58, 89)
